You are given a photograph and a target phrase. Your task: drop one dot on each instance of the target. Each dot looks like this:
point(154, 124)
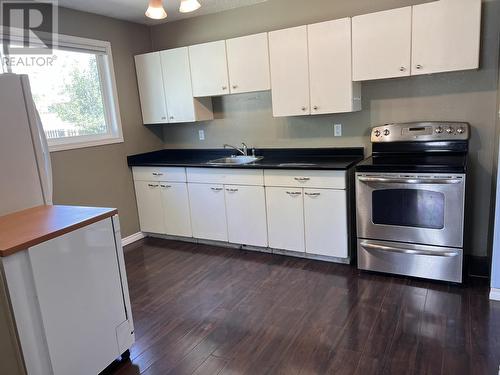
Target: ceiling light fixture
point(189, 6)
point(156, 10)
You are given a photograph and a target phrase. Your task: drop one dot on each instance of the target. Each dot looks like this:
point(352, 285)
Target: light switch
point(337, 130)
point(201, 134)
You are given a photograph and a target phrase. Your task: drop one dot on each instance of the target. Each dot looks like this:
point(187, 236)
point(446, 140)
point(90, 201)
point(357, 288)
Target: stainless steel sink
point(235, 160)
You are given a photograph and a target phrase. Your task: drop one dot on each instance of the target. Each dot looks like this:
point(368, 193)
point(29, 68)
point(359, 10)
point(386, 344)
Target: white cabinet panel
point(381, 44)
point(175, 205)
point(181, 105)
point(148, 196)
point(330, 68)
point(208, 211)
point(285, 218)
point(246, 215)
point(173, 174)
point(289, 71)
point(325, 215)
point(226, 176)
point(306, 178)
point(151, 92)
point(248, 63)
point(209, 69)
point(446, 36)
point(78, 288)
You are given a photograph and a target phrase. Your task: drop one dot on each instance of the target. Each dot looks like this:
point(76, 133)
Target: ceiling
point(133, 10)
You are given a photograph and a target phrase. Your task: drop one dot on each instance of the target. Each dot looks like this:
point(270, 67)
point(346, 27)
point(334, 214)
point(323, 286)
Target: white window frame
point(102, 49)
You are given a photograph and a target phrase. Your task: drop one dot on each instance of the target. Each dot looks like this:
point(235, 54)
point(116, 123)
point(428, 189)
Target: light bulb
point(156, 10)
point(189, 6)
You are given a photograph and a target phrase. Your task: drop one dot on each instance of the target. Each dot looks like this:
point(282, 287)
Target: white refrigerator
point(25, 169)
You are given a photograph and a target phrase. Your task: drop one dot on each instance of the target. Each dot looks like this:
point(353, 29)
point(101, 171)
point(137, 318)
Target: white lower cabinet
point(325, 221)
point(285, 218)
point(148, 196)
point(246, 215)
point(175, 206)
point(208, 211)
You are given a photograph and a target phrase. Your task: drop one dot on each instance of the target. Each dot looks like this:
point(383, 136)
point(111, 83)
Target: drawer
point(226, 176)
point(159, 174)
point(310, 179)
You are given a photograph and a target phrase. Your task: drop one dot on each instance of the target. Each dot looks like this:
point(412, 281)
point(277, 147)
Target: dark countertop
point(278, 158)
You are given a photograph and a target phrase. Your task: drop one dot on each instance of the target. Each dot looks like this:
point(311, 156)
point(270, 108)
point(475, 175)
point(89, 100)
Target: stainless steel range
point(411, 200)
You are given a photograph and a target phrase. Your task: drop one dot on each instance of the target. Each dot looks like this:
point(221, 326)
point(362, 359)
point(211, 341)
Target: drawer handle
point(166, 186)
point(216, 189)
point(152, 185)
point(302, 179)
point(157, 174)
point(232, 190)
point(313, 194)
point(294, 193)
point(392, 249)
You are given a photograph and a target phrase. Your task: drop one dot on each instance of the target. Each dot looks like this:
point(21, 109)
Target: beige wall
point(462, 96)
point(99, 176)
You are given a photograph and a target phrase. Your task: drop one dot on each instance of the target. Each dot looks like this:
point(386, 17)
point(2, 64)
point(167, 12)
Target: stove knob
point(460, 130)
point(377, 133)
point(450, 130)
point(387, 132)
point(439, 130)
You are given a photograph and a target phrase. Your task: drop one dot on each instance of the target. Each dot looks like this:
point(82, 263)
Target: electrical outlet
point(201, 134)
point(337, 130)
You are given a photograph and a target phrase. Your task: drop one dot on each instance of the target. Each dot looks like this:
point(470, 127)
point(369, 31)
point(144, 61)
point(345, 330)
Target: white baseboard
point(495, 294)
point(133, 238)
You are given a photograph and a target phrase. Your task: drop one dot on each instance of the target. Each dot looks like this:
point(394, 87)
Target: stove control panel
point(421, 131)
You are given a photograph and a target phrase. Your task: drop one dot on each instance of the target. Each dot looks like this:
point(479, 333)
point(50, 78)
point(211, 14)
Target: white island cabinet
point(64, 278)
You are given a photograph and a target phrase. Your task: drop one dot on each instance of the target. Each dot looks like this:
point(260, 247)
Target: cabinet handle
point(294, 193)
point(163, 118)
point(166, 186)
point(304, 108)
point(235, 86)
point(232, 190)
point(216, 189)
point(152, 185)
point(224, 87)
point(419, 66)
point(402, 69)
point(315, 107)
point(302, 179)
point(157, 174)
point(171, 117)
point(313, 194)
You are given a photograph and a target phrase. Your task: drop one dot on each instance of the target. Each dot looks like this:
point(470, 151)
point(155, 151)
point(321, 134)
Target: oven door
point(425, 208)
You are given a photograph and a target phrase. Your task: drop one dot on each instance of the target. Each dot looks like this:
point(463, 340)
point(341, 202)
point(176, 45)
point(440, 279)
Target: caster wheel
point(125, 356)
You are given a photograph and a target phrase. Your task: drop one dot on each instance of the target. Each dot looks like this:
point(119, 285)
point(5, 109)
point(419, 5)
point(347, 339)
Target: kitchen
point(100, 176)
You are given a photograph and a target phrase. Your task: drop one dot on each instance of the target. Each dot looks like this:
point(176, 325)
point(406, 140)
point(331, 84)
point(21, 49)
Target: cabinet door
point(177, 83)
point(381, 44)
point(248, 63)
point(175, 204)
point(148, 196)
point(246, 215)
point(209, 69)
point(330, 68)
point(285, 218)
point(325, 215)
point(289, 71)
point(208, 211)
point(446, 36)
point(151, 92)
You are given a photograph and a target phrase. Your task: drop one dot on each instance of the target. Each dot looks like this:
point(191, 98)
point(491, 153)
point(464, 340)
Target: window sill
point(64, 146)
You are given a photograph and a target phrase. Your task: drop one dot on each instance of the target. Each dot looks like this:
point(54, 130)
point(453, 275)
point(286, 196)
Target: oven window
point(408, 208)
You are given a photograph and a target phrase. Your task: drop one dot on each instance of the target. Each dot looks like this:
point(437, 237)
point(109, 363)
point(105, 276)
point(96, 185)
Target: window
point(75, 93)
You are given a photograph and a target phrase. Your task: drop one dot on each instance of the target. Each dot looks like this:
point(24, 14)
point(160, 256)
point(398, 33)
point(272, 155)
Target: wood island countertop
point(24, 229)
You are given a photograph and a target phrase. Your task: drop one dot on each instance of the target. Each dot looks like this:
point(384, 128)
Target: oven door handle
point(398, 180)
point(392, 249)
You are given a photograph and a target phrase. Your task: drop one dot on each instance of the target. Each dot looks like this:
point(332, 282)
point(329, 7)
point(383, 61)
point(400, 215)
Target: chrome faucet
point(243, 151)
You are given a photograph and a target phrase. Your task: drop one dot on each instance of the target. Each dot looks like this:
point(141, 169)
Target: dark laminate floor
point(208, 310)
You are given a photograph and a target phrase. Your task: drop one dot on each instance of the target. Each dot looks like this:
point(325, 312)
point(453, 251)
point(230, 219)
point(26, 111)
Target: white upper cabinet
point(330, 68)
point(289, 71)
point(446, 36)
point(248, 63)
point(181, 106)
point(209, 69)
point(381, 44)
point(149, 80)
